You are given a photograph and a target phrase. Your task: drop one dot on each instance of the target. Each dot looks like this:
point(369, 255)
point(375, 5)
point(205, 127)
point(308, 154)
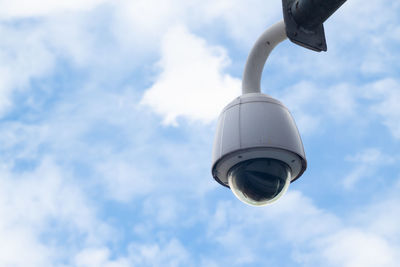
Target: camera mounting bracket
point(313, 39)
point(304, 21)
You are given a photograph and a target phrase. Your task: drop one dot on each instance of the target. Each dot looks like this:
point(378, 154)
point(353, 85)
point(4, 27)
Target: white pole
point(259, 55)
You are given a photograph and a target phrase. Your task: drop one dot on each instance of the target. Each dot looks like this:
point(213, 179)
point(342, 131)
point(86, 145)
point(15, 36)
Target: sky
point(107, 116)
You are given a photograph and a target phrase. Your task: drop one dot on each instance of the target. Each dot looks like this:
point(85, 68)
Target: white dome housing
point(253, 131)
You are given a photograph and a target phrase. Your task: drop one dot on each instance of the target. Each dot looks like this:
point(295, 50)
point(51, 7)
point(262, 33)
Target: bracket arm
point(258, 56)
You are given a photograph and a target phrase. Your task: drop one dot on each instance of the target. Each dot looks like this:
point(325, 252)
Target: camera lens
point(259, 182)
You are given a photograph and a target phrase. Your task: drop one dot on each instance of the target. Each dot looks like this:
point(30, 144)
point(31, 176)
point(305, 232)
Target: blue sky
point(107, 116)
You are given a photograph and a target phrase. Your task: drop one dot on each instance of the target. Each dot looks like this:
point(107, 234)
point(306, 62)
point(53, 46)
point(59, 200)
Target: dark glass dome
point(259, 181)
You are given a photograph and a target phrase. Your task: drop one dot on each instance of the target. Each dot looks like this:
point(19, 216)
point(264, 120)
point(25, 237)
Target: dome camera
point(257, 149)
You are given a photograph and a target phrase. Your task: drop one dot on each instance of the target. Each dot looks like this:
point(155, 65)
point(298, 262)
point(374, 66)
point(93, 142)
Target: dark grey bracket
point(304, 21)
point(313, 39)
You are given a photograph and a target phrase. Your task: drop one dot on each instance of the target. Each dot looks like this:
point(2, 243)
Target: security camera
point(257, 149)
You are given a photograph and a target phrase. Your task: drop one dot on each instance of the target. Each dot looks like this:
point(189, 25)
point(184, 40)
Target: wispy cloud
point(366, 164)
point(192, 82)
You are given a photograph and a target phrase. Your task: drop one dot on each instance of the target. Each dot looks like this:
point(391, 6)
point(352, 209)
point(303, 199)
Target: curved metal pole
point(259, 55)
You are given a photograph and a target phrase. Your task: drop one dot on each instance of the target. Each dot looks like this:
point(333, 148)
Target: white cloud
point(171, 253)
point(248, 232)
point(314, 237)
point(166, 253)
point(192, 82)
point(23, 57)
point(356, 248)
point(98, 257)
point(385, 95)
point(33, 205)
point(123, 181)
point(43, 202)
point(243, 20)
point(27, 8)
point(385, 211)
point(148, 19)
point(316, 106)
point(164, 209)
point(17, 239)
point(366, 164)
